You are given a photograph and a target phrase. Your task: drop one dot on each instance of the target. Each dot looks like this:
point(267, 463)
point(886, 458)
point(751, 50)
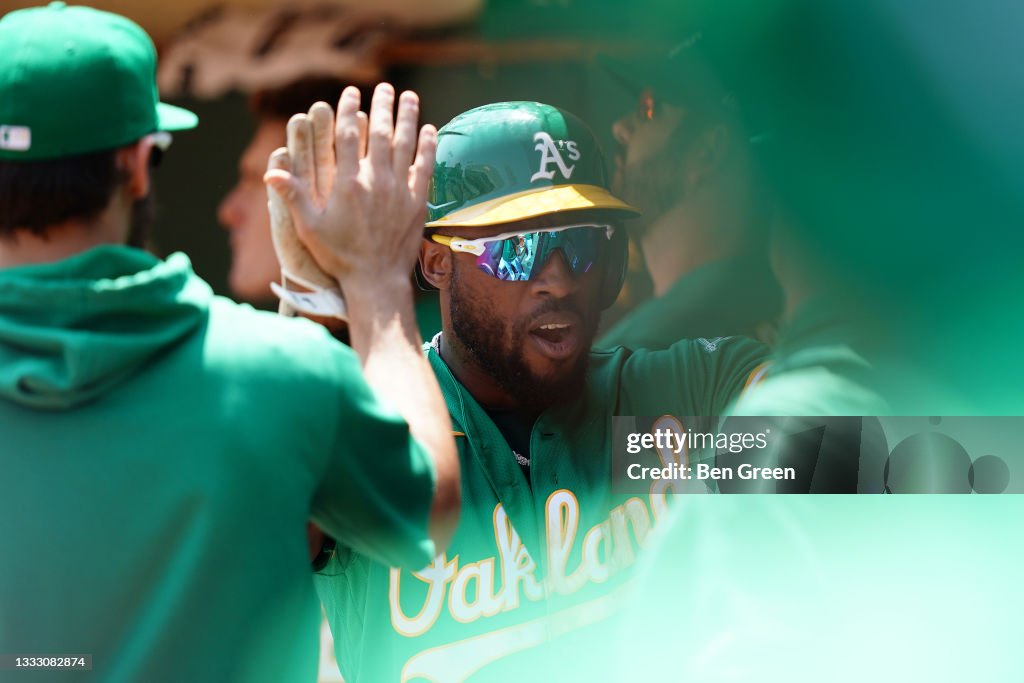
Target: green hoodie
point(73, 330)
point(161, 452)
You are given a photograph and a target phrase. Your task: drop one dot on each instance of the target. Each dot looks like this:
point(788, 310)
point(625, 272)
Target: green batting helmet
point(511, 161)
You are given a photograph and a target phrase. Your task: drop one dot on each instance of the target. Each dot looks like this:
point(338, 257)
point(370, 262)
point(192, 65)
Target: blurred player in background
point(163, 447)
point(284, 59)
point(685, 162)
point(243, 211)
point(709, 219)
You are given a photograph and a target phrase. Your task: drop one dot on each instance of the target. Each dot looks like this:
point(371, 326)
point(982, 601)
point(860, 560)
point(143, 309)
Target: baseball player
point(685, 162)
point(162, 447)
point(525, 242)
point(709, 225)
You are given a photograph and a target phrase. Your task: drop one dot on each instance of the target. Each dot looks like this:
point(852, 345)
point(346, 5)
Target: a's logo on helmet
point(551, 152)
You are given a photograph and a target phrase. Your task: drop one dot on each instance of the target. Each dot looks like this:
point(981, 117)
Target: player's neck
point(60, 241)
point(674, 246)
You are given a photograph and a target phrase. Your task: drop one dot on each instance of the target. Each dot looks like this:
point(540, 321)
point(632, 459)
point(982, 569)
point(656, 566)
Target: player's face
point(243, 212)
point(647, 166)
point(531, 338)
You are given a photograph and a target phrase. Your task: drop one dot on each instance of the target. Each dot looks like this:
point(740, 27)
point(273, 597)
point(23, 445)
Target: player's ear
point(436, 263)
point(133, 161)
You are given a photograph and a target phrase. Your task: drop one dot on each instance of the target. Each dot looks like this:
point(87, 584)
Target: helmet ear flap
point(615, 269)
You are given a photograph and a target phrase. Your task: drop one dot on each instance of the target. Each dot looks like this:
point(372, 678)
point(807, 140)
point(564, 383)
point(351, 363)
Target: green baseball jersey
point(537, 564)
point(817, 367)
point(725, 297)
point(161, 452)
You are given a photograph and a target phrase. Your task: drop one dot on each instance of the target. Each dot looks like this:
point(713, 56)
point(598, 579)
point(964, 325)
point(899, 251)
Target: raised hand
point(356, 195)
point(298, 267)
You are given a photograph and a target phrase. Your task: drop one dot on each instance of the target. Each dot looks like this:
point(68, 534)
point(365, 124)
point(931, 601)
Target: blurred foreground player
point(162, 447)
point(845, 588)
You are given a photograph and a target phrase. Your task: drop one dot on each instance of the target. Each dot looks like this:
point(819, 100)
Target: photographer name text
point(704, 471)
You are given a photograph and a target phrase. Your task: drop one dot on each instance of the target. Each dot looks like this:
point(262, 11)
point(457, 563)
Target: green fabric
point(71, 330)
point(101, 65)
point(818, 367)
point(162, 450)
point(722, 298)
point(516, 591)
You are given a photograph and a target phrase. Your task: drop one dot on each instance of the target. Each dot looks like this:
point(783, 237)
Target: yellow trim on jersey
point(756, 376)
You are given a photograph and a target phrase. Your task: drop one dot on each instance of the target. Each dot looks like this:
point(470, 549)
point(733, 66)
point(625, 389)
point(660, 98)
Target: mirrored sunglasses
point(518, 256)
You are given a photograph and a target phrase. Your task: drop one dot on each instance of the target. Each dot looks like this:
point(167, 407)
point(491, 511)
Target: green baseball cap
point(75, 80)
point(511, 161)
